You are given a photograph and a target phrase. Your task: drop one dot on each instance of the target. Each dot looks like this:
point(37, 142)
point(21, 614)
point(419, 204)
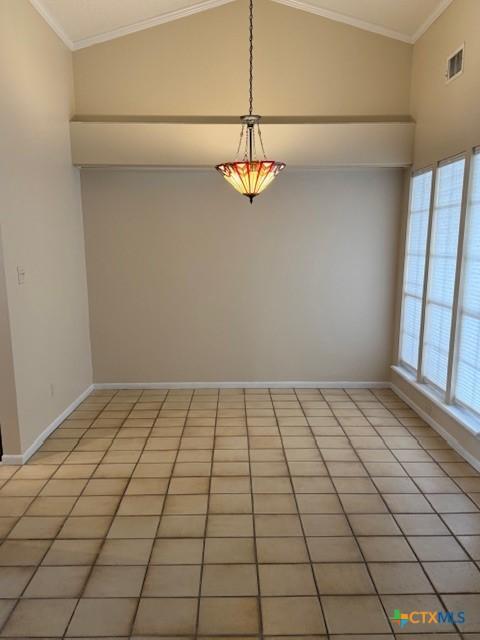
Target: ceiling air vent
point(455, 64)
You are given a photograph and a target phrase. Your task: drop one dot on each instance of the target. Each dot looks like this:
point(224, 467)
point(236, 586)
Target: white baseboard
point(453, 442)
point(459, 415)
point(298, 384)
point(21, 458)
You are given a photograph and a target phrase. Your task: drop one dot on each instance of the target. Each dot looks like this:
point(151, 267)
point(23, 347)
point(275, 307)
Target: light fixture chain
point(251, 175)
point(261, 142)
point(237, 155)
point(251, 58)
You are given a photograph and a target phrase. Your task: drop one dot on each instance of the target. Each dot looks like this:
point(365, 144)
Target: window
point(442, 270)
point(467, 387)
point(440, 316)
point(415, 253)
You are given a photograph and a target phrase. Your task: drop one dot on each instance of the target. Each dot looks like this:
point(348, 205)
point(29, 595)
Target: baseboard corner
point(453, 442)
point(22, 458)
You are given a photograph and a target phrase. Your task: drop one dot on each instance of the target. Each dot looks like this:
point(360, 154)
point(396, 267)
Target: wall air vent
point(455, 64)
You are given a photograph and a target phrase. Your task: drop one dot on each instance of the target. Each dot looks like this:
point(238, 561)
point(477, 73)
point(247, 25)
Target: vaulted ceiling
point(81, 23)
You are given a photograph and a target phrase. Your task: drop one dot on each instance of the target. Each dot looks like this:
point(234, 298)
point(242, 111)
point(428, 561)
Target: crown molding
point(53, 24)
point(431, 19)
point(205, 5)
point(341, 17)
point(368, 26)
point(150, 22)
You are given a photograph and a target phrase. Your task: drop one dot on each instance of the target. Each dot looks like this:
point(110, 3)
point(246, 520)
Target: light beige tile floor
point(278, 513)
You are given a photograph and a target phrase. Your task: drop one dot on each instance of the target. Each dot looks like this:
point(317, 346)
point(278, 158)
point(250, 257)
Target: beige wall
point(447, 115)
point(189, 282)
point(304, 65)
point(8, 394)
point(41, 221)
point(401, 261)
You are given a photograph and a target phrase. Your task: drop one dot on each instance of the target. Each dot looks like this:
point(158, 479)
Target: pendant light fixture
point(249, 175)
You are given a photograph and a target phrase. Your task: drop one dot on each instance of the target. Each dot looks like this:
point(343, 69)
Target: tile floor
point(289, 512)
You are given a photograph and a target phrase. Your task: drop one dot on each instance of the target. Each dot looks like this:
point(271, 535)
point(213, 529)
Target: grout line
point(385, 399)
point(52, 541)
point(105, 537)
point(207, 516)
point(435, 591)
point(254, 526)
point(299, 516)
point(381, 495)
point(147, 566)
point(354, 536)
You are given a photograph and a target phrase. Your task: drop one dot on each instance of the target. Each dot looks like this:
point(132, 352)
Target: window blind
point(442, 267)
point(414, 273)
point(467, 380)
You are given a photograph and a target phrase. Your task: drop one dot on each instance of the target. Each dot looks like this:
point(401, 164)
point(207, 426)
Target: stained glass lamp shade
point(248, 174)
point(250, 177)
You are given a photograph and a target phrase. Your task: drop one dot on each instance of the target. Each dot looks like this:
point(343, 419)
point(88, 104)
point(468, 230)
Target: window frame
point(445, 394)
point(430, 168)
point(467, 195)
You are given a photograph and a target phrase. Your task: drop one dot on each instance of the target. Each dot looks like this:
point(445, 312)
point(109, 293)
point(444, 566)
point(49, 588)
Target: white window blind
point(467, 386)
point(414, 273)
point(442, 268)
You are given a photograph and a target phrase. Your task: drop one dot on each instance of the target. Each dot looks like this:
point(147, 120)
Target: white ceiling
point(81, 23)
